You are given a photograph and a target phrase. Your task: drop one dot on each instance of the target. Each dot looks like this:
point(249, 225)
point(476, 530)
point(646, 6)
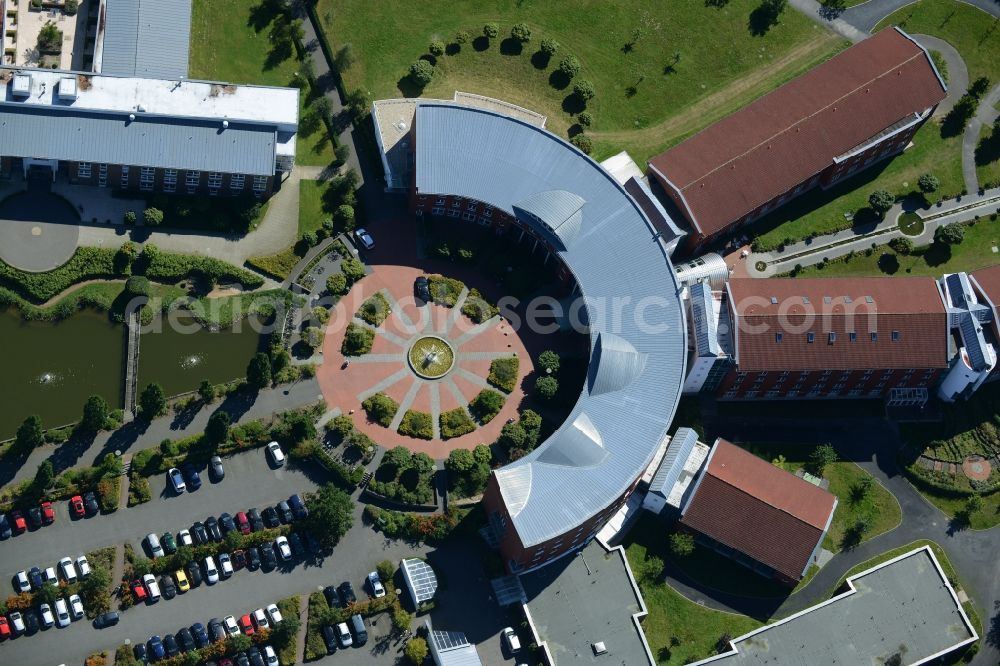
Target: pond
point(50, 368)
point(179, 357)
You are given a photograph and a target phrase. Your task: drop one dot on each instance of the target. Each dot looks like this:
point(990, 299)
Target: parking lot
point(249, 482)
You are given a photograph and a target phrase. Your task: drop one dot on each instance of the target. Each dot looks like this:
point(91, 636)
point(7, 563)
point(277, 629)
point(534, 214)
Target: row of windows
point(813, 392)
point(831, 337)
point(147, 177)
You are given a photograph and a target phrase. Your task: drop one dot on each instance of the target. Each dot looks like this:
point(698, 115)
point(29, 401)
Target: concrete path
point(300, 638)
point(819, 14)
point(958, 73)
point(868, 14)
point(986, 113)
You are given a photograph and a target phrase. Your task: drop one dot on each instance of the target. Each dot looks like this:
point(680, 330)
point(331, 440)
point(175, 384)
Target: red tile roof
point(785, 137)
point(989, 280)
point(758, 509)
point(794, 308)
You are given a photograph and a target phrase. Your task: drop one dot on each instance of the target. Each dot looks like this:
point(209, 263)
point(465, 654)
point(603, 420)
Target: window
point(192, 179)
point(874, 336)
point(259, 183)
point(439, 201)
point(852, 336)
point(83, 169)
point(237, 181)
point(472, 206)
point(895, 336)
point(169, 180)
point(146, 175)
point(810, 337)
point(102, 175)
point(437, 211)
point(488, 212)
point(777, 337)
point(831, 338)
point(124, 180)
point(452, 213)
point(468, 217)
point(214, 181)
point(457, 203)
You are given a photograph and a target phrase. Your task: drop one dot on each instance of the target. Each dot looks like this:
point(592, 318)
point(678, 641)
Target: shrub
point(444, 291)
point(583, 142)
point(375, 310)
point(461, 37)
point(881, 201)
point(152, 217)
point(137, 285)
point(503, 373)
point(436, 48)
point(681, 544)
point(548, 361)
point(71, 7)
point(822, 455)
point(477, 308)
point(455, 423)
point(417, 424)
point(584, 89)
point(353, 269)
point(259, 371)
point(357, 340)
point(491, 30)
point(928, 183)
point(344, 217)
point(569, 66)
point(421, 72)
point(521, 32)
point(549, 46)
point(950, 234)
point(585, 119)
point(901, 245)
point(337, 284)
point(416, 650)
point(486, 405)
point(546, 387)
point(380, 408)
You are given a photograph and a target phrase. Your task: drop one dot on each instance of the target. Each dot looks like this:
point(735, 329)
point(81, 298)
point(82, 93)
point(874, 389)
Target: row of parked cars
point(35, 578)
point(198, 636)
point(61, 613)
point(16, 522)
point(189, 479)
point(353, 632)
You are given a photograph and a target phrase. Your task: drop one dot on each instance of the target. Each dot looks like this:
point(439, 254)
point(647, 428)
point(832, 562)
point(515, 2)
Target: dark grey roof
point(680, 447)
point(704, 321)
point(60, 134)
point(905, 606)
point(147, 38)
point(588, 598)
point(481, 155)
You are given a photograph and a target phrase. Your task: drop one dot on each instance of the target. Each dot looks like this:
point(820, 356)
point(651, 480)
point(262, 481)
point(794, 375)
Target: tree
point(531, 421)
point(491, 30)
point(386, 570)
point(512, 436)
point(337, 284)
point(47, 594)
point(901, 245)
point(71, 7)
point(152, 401)
point(549, 46)
point(416, 650)
point(344, 217)
point(546, 387)
point(152, 217)
point(29, 434)
point(397, 457)
point(343, 58)
point(979, 87)
point(330, 515)
point(436, 48)
point(259, 371)
point(313, 336)
point(137, 285)
point(928, 183)
point(521, 32)
point(681, 544)
point(460, 461)
point(548, 361)
point(584, 89)
point(95, 414)
point(583, 142)
point(584, 119)
point(130, 217)
point(950, 234)
point(881, 201)
point(421, 72)
point(461, 37)
point(206, 391)
point(772, 9)
point(50, 38)
point(353, 270)
point(242, 642)
point(569, 66)
point(822, 455)
point(482, 454)
point(45, 475)
point(217, 429)
point(974, 504)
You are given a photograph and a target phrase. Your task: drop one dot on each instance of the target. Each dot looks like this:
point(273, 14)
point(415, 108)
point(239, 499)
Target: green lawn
point(679, 631)
point(970, 30)
point(822, 211)
point(976, 251)
point(311, 211)
point(646, 98)
point(988, 157)
point(229, 42)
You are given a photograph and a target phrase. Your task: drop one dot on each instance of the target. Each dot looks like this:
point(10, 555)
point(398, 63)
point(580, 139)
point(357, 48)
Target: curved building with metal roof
point(555, 499)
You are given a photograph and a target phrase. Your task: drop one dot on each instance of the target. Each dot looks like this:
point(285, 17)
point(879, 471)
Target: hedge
point(277, 265)
point(375, 310)
point(455, 423)
point(343, 475)
point(477, 308)
point(171, 267)
point(445, 290)
point(486, 405)
point(358, 340)
point(503, 373)
point(380, 408)
point(417, 424)
point(415, 526)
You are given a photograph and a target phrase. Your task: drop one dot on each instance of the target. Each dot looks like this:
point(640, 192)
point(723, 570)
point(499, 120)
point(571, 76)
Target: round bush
point(421, 72)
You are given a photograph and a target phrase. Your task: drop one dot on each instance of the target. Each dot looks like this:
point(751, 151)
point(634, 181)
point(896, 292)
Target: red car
point(246, 625)
point(48, 514)
point(76, 507)
point(138, 590)
point(18, 523)
point(4, 628)
point(243, 523)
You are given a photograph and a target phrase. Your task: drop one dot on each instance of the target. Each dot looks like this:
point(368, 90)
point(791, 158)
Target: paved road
point(867, 15)
point(958, 73)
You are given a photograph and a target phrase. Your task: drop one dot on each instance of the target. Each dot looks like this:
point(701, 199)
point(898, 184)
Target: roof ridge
point(800, 120)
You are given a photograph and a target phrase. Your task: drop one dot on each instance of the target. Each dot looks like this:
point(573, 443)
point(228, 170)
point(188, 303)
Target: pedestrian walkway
point(821, 15)
point(986, 114)
point(300, 638)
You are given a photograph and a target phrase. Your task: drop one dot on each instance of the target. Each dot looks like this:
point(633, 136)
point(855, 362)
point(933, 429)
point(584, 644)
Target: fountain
point(431, 357)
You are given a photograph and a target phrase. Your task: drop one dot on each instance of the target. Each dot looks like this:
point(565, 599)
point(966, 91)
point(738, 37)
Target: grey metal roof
point(452, 648)
point(147, 38)
point(420, 578)
point(905, 607)
point(61, 134)
point(680, 447)
point(614, 364)
point(556, 211)
point(703, 318)
point(481, 155)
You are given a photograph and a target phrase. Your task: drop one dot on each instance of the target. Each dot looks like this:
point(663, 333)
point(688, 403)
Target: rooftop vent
point(225, 124)
point(67, 88)
point(774, 300)
point(22, 85)
point(599, 648)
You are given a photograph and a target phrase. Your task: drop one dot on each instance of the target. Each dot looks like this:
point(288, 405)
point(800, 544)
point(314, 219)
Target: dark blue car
point(156, 649)
point(200, 635)
point(192, 477)
point(298, 508)
point(35, 576)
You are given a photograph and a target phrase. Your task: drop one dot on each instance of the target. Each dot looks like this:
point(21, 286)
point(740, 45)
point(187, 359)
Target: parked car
point(275, 453)
point(62, 613)
point(31, 622)
point(511, 641)
point(260, 620)
point(90, 502)
point(193, 573)
point(211, 571)
point(270, 517)
point(35, 517)
point(359, 630)
point(168, 543)
point(330, 638)
point(422, 290)
point(216, 632)
point(67, 570)
point(183, 585)
point(230, 625)
point(176, 480)
point(284, 550)
point(50, 576)
point(365, 238)
point(212, 527)
point(21, 582)
point(241, 659)
point(168, 587)
point(45, 613)
point(267, 557)
point(108, 619)
point(285, 514)
point(5, 631)
point(239, 559)
point(253, 654)
point(243, 523)
point(256, 522)
point(273, 613)
point(83, 566)
point(332, 596)
point(16, 623)
point(170, 645)
point(192, 477)
point(246, 624)
point(76, 508)
point(375, 583)
point(138, 591)
point(184, 538)
point(270, 656)
point(153, 543)
point(347, 593)
point(48, 513)
point(17, 522)
point(225, 565)
point(227, 523)
point(253, 559)
point(200, 635)
point(344, 635)
point(156, 648)
point(298, 507)
point(6, 531)
point(298, 550)
point(198, 534)
point(216, 472)
point(36, 578)
point(151, 586)
point(185, 639)
point(75, 606)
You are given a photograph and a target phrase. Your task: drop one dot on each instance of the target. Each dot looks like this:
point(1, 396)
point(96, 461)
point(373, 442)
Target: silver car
point(365, 238)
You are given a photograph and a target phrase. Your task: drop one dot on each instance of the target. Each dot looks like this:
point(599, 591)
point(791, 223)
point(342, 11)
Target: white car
point(83, 566)
point(284, 550)
point(45, 612)
point(276, 454)
point(17, 621)
point(344, 635)
point(67, 569)
point(211, 571)
point(275, 614)
point(23, 584)
point(225, 565)
point(184, 538)
point(155, 549)
point(152, 587)
point(176, 480)
point(260, 619)
point(376, 584)
point(229, 624)
point(511, 640)
point(270, 656)
point(365, 238)
point(62, 613)
point(50, 576)
point(75, 606)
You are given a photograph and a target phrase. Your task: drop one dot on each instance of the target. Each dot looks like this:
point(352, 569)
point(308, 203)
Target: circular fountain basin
point(431, 357)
